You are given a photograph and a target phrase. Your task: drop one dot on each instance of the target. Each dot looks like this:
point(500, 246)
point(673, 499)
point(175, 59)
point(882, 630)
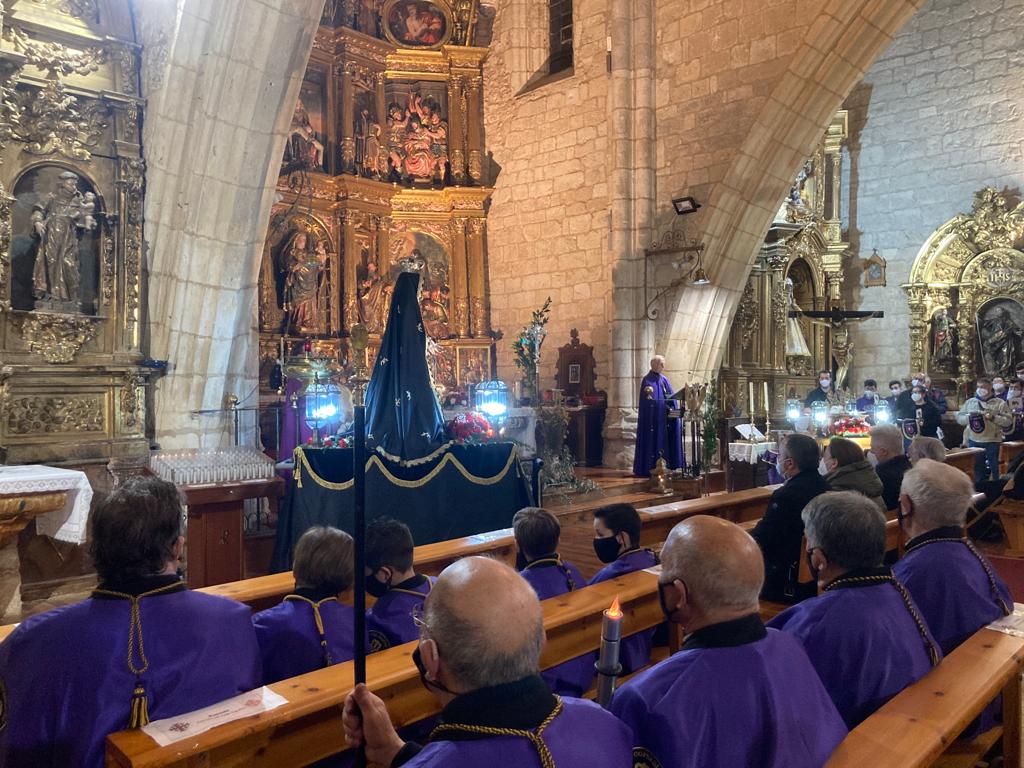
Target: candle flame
point(615, 612)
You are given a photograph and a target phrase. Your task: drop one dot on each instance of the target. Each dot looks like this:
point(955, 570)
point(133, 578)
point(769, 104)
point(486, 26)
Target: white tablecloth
point(67, 524)
point(749, 452)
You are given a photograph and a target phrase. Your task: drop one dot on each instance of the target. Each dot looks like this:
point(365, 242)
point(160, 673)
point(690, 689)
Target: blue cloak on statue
point(403, 417)
point(656, 434)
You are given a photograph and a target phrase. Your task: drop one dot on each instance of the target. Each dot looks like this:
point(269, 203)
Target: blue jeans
point(986, 465)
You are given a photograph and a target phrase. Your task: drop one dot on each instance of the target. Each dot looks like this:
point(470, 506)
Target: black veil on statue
point(403, 417)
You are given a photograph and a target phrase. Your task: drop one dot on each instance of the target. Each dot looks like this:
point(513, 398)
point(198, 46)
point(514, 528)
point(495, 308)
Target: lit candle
point(608, 667)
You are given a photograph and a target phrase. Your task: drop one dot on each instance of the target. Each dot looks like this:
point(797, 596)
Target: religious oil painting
point(432, 259)
point(306, 149)
point(417, 23)
point(417, 128)
point(55, 241)
point(574, 373)
point(474, 365)
point(1001, 336)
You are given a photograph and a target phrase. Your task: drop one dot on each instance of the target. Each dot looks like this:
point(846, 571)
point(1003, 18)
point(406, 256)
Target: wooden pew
point(1008, 451)
point(267, 591)
point(918, 725)
point(737, 506)
point(308, 727)
point(963, 459)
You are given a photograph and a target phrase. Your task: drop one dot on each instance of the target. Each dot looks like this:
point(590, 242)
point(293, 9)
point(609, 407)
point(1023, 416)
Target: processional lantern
point(491, 399)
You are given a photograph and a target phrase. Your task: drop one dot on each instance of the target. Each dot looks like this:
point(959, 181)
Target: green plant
point(527, 347)
point(709, 425)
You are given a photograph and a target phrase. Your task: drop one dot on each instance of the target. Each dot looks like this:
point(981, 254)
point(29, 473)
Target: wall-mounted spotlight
point(685, 205)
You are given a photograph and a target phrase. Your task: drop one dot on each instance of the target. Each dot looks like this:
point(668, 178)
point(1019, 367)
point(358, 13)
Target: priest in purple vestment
point(656, 434)
point(617, 542)
point(479, 655)
point(391, 578)
point(141, 647)
point(310, 629)
point(737, 694)
point(864, 634)
point(537, 532)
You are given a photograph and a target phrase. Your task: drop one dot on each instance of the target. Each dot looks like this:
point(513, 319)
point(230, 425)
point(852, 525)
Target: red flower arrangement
point(469, 427)
point(850, 426)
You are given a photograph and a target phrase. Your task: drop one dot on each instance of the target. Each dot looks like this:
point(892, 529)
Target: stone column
point(457, 128)
point(474, 128)
point(478, 312)
point(350, 258)
point(348, 142)
point(459, 279)
point(837, 178)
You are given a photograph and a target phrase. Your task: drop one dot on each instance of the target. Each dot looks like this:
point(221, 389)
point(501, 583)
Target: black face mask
point(376, 587)
point(607, 550)
point(521, 561)
point(417, 659)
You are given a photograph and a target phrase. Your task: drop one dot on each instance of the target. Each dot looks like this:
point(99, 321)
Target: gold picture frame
point(432, 26)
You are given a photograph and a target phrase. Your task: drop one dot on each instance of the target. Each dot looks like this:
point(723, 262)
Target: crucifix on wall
point(837, 320)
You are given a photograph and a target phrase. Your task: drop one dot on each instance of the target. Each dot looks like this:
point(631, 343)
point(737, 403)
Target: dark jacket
point(931, 418)
point(779, 533)
point(891, 474)
point(859, 476)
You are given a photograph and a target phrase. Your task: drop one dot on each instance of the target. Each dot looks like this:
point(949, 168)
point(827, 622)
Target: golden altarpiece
point(384, 165)
point(965, 294)
point(799, 266)
point(72, 388)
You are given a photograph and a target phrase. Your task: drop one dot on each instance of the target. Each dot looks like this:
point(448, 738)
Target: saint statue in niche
point(1000, 332)
point(943, 335)
point(56, 225)
point(303, 263)
point(373, 296)
point(304, 149)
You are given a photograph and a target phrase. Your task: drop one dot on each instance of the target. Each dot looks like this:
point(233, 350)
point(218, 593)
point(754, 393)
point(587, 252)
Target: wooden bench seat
point(308, 727)
point(1008, 451)
point(963, 459)
point(736, 506)
point(918, 725)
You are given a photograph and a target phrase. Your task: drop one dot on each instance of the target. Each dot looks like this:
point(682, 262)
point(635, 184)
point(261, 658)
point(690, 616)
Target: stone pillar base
point(620, 437)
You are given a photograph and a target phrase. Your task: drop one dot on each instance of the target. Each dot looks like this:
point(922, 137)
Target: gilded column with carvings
point(474, 127)
point(380, 96)
point(349, 220)
point(383, 228)
point(459, 278)
point(348, 142)
point(457, 128)
point(917, 298)
point(477, 288)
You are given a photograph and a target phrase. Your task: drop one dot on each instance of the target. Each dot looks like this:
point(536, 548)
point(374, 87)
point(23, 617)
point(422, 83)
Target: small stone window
point(560, 29)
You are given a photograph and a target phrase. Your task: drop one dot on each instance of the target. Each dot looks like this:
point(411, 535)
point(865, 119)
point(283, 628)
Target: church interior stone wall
point(937, 118)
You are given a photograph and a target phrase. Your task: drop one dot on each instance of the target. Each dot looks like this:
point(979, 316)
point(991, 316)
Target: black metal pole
point(359, 531)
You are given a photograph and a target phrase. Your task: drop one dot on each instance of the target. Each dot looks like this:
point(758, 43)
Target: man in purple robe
point(391, 578)
point(864, 634)
point(479, 654)
point(737, 694)
point(310, 629)
point(656, 434)
point(142, 647)
point(617, 542)
point(537, 532)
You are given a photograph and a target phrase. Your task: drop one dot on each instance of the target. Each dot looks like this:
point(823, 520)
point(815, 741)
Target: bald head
point(487, 623)
point(719, 562)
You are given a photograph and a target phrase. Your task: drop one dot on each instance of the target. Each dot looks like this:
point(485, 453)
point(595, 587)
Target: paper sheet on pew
point(1012, 624)
point(484, 538)
point(189, 724)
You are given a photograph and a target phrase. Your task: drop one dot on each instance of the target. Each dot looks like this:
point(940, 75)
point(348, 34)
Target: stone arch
point(220, 87)
point(837, 50)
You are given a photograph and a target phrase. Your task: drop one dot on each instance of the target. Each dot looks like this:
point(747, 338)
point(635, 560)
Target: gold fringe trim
point(301, 461)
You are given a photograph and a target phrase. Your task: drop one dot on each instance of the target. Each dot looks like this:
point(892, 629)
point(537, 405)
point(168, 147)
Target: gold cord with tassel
point(139, 705)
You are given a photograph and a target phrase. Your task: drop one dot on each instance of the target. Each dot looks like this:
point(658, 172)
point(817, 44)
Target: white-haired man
point(482, 666)
point(955, 587)
point(657, 435)
point(737, 694)
point(887, 448)
point(926, 448)
point(863, 634)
